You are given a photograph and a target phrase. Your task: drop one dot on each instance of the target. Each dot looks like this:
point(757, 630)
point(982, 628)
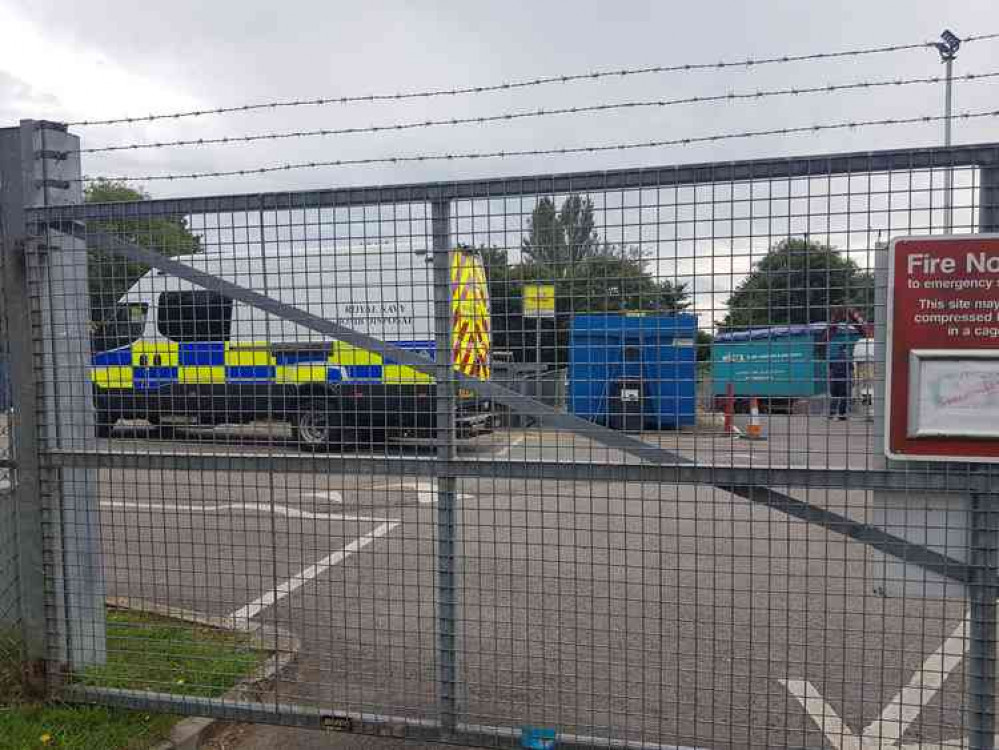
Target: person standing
point(839, 348)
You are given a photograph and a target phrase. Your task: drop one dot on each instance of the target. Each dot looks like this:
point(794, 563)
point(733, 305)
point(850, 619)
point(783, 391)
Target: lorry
point(171, 350)
point(778, 365)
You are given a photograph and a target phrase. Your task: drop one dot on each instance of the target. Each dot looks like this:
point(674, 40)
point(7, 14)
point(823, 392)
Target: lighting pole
point(948, 51)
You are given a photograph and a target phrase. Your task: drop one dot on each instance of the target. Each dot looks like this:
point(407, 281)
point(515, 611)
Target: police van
point(174, 351)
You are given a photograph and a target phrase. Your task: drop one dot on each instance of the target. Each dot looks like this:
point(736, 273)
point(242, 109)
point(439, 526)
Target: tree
point(563, 248)
point(111, 276)
point(799, 281)
point(559, 240)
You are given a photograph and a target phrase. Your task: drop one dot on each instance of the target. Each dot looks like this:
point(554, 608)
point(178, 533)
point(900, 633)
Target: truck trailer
point(777, 365)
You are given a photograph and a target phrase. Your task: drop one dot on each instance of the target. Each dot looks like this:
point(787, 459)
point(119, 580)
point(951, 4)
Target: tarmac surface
point(657, 613)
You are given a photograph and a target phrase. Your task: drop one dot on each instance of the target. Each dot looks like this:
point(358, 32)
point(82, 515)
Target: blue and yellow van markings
point(149, 365)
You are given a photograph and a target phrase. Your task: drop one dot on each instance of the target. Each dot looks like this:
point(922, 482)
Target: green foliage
point(10, 665)
point(704, 343)
point(148, 652)
point(81, 728)
point(560, 240)
point(145, 652)
point(562, 247)
point(110, 276)
point(799, 281)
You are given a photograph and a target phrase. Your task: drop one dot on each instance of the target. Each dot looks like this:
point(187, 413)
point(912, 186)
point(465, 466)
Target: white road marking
point(261, 508)
point(958, 744)
point(331, 495)
point(824, 715)
point(903, 709)
point(510, 446)
point(426, 491)
point(243, 615)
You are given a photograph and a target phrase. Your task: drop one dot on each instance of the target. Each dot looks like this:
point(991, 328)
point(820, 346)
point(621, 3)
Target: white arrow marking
point(825, 717)
point(426, 492)
point(903, 709)
point(261, 508)
point(330, 495)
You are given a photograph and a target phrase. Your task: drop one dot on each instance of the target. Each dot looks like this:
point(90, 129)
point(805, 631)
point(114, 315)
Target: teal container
point(779, 362)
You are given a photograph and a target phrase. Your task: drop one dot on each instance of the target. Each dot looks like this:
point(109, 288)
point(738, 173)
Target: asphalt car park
point(664, 613)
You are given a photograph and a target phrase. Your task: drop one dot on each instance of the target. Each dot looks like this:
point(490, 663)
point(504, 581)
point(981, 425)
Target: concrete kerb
point(189, 733)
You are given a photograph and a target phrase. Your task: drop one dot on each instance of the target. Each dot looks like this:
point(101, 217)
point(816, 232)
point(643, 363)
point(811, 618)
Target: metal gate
point(270, 413)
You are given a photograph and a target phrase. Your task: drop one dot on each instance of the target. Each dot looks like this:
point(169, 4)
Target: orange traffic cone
point(754, 430)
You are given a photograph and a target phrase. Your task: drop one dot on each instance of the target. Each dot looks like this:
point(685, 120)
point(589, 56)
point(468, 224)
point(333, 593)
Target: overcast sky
point(107, 58)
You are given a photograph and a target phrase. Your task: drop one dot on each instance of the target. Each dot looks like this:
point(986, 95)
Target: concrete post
point(15, 180)
point(56, 321)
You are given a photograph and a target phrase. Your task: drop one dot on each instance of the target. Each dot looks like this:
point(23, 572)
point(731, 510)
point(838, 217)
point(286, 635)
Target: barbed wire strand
point(513, 85)
point(923, 119)
point(537, 113)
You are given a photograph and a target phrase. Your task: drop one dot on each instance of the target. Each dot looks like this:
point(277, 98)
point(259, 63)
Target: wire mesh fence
point(10, 620)
point(292, 415)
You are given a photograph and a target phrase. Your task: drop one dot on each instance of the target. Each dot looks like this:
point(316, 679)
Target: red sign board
point(943, 349)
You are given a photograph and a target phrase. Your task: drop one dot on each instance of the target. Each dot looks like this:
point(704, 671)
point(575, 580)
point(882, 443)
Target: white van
point(174, 350)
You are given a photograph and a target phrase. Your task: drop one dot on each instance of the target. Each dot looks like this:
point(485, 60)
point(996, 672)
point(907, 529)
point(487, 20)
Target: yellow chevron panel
point(470, 311)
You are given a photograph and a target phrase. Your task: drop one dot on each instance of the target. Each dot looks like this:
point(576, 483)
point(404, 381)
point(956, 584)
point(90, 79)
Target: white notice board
point(954, 393)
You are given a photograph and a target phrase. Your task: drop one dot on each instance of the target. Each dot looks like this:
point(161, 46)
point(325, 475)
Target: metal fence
point(273, 409)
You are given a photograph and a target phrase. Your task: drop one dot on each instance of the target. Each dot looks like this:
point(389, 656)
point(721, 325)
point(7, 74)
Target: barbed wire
point(537, 113)
point(521, 84)
point(853, 124)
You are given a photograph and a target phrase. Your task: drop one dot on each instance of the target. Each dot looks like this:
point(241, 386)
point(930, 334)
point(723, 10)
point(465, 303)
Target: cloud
point(76, 80)
point(18, 96)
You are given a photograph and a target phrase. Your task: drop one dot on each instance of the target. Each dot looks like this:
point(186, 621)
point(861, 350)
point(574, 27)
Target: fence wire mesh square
point(404, 547)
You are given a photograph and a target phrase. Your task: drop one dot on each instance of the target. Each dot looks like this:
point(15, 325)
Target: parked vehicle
point(777, 365)
point(174, 350)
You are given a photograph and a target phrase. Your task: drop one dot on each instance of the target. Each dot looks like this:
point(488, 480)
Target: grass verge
point(144, 652)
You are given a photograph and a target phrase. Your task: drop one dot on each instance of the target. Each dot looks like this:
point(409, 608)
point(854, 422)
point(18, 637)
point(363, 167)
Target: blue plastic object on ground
point(536, 738)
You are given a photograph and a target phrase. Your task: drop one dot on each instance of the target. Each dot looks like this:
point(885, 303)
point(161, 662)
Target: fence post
point(15, 180)
point(984, 553)
point(446, 482)
point(982, 594)
point(59, 337)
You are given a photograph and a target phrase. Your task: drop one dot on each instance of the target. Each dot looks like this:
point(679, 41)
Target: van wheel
point(317, 426)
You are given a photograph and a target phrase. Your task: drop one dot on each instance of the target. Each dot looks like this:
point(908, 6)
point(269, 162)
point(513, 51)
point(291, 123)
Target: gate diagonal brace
point(547, 416)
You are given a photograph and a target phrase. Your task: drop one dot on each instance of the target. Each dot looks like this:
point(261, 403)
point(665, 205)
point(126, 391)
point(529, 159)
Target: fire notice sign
point(943, 349)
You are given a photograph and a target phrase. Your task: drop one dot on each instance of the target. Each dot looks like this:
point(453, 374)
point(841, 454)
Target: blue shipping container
point(779, 362)
point(656, 350)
